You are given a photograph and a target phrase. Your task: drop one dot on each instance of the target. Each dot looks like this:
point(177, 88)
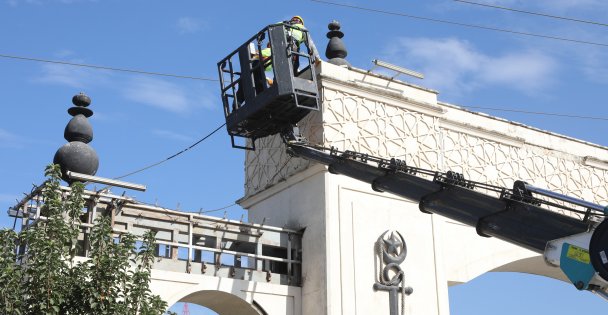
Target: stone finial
point(77, 155)
point(336, 51)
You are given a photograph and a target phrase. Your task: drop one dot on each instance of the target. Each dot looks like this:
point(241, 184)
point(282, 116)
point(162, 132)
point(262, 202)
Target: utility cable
point(532, 13)
point(234, 203)
point(172, 156)
point(106, 68)
point(218, 209)
point(196, 212)
point(537, 113)
point(495, 29)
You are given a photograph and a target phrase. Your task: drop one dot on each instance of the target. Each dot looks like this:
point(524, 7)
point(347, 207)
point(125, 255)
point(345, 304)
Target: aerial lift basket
point(263, 89)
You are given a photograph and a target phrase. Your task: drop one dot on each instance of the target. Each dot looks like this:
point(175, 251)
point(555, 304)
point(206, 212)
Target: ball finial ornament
point(76, 155)
point(336, 50)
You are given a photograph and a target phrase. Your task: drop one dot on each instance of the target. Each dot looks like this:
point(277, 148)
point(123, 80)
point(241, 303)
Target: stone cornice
point(386, 95)
point(524, 127)
point(482, 133)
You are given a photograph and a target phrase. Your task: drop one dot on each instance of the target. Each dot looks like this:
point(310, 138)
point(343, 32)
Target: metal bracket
point(292, 135)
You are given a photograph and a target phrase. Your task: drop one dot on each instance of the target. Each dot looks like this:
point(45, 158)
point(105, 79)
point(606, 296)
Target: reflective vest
point(266, 60)
point(296, 33)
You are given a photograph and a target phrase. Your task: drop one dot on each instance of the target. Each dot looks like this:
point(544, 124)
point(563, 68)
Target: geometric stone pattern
point(352, 122)
point(270, 163)
point(500, 164)
point(348, 122)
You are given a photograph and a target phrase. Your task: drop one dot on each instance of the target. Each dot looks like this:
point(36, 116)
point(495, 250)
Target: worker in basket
point(296, 36)
point(258, 76)
point(265, 57)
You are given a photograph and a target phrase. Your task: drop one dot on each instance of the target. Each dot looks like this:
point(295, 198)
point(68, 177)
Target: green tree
point(44, 279)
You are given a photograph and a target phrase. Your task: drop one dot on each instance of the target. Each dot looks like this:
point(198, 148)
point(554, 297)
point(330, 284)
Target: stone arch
point(223, 303)
point(226, 295)
point(482, 255)
point(534, 265)
point(521, 293)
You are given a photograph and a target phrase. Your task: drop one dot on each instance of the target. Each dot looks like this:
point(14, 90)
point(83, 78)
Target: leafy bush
point(44, 278)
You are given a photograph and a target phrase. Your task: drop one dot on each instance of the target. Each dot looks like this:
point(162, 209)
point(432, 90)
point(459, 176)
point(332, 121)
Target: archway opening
point(181, 308)
point(507, 293)
point(213, 302)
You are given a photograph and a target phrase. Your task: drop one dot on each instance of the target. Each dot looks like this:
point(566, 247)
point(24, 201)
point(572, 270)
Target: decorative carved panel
point(363, 125)
point(270, 163)
point(500, 164)
point(352, 122)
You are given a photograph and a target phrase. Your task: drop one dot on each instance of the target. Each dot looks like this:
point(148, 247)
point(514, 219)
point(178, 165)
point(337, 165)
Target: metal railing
point(186, 242)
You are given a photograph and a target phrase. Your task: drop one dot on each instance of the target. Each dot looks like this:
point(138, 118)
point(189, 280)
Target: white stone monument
point(344, 219)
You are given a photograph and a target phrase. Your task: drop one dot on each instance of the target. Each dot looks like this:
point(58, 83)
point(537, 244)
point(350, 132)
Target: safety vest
point(296, 33)
point(266, 54)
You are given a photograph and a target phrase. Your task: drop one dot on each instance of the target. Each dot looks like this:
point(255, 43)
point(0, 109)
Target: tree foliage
point(45, 278)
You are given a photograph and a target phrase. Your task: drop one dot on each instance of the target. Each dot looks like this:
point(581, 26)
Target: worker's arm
point(311, 45)
point(313, 49)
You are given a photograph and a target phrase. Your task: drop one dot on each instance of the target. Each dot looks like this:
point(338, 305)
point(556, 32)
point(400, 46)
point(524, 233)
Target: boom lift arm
point(578, 246)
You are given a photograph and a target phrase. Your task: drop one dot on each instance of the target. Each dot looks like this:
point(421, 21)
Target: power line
point(197, 212)
point(537, 113)
point(105, 68)
point(487, 28)
point(533, 13)
point(218, 209)
point(172, 156)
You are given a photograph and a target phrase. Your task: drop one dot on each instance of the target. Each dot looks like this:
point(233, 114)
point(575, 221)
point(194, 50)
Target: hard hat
point(299, 18)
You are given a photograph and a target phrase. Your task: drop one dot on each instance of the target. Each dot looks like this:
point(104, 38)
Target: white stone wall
point(224, 295)
point(433, 136)
point(344, 217)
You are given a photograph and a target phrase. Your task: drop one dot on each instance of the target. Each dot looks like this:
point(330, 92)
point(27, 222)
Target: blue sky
point(141, 119)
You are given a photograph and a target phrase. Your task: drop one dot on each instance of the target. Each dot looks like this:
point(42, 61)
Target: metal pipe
point(105, 181)
point(601, 293)
point(572, 200)
point(29, 196)
point(399, 70)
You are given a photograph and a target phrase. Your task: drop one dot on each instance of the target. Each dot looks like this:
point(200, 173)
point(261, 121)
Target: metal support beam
point(572, 200)
point(105, 181)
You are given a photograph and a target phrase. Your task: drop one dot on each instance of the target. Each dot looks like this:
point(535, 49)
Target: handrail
point(183, 230)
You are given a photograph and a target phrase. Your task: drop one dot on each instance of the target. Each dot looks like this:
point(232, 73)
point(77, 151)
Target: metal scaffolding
point(185, 242)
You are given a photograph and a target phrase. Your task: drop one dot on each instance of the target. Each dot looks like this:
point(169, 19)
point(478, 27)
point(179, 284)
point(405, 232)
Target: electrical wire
point(105, 68)
point(487, 28)
point(533, 13)
point(184, 150)
point(218, 209)
point(172, 156)
point(537, 113)
point(197, 212)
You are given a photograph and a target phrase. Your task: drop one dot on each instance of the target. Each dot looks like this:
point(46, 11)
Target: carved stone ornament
point(392, 250)
point(76, 155)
